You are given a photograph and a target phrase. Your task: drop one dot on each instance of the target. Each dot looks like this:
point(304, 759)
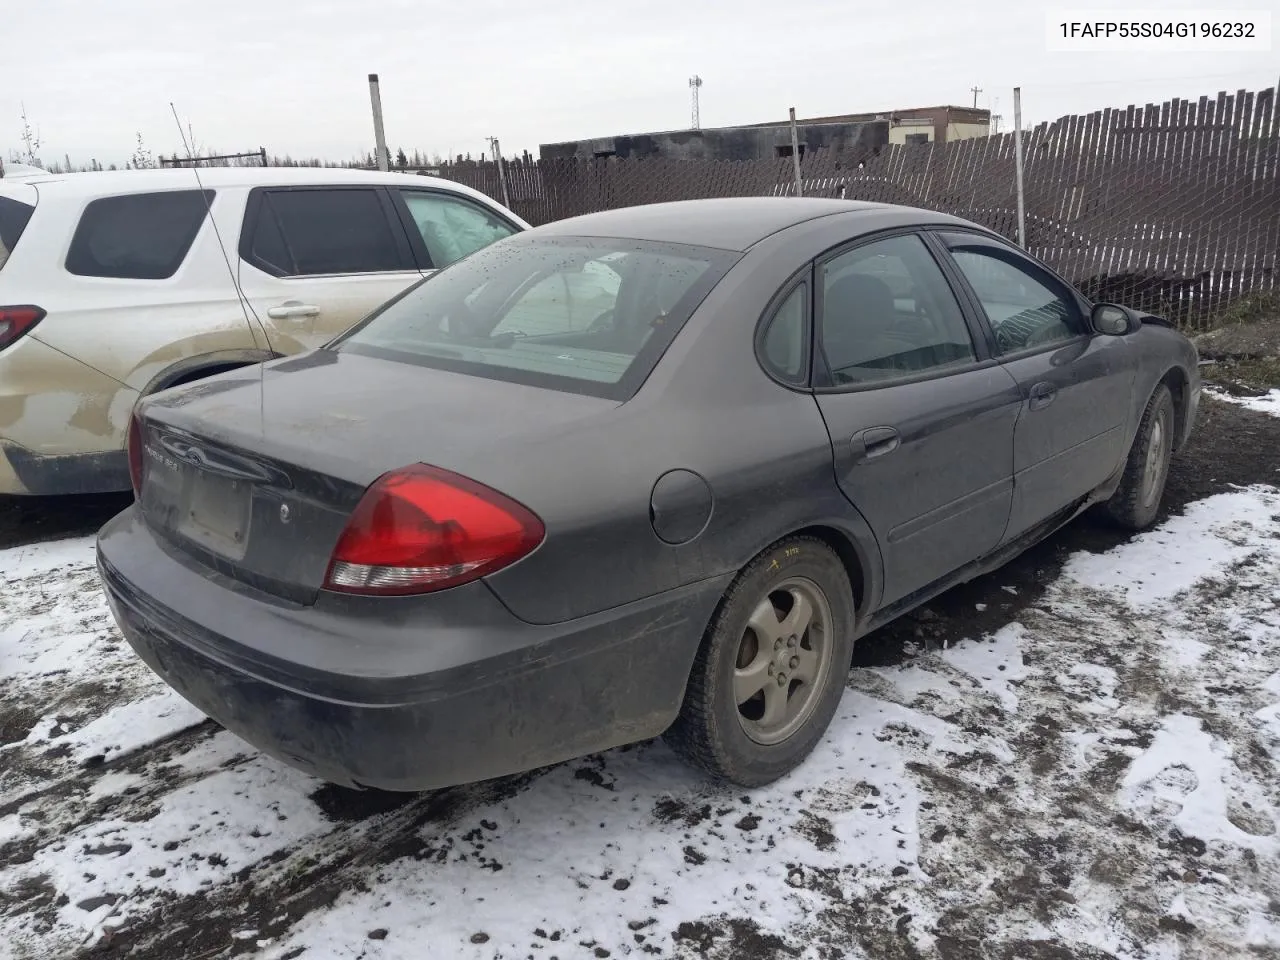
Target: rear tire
point(1136, 501)
point(772, 666)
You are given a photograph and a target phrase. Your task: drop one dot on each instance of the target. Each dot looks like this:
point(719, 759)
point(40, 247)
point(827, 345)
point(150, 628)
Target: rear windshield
point(13, 220)
point(583, 315)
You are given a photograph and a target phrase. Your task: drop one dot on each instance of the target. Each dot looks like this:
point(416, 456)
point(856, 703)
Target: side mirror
point(1114, 320)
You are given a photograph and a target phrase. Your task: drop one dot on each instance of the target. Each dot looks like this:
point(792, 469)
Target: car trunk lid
point(257, 471)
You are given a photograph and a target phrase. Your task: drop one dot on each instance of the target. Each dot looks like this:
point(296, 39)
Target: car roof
point(735, 223)
point(107, 182)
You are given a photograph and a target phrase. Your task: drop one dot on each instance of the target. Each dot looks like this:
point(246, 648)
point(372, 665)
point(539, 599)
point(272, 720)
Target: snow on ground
point(1268, 402)
point(1096, 779)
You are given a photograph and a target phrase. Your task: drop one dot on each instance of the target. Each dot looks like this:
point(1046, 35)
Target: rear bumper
point(401, 693)
point(62, 423)
point(23, 472)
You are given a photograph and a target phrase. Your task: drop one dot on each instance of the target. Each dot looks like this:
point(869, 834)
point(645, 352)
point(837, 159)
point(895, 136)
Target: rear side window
point(300, 233)
point(784, 348)
point(140, 236)
point(887, 312)
point(13, 220)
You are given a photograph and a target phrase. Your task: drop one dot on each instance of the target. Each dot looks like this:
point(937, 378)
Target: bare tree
point(142, 157)
point(31, 142)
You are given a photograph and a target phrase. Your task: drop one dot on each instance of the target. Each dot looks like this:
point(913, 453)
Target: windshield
point(583, 315)
point(13, 220)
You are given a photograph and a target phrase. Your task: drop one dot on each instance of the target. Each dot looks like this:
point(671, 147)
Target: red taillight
point(16, 322)
point(423, 528)
point(135, 454)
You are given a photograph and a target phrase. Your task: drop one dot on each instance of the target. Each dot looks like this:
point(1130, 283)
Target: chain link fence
point(1172, 208)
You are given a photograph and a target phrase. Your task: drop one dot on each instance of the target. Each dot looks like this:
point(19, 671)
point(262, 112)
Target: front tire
point(1136, 501)
point(772, 666)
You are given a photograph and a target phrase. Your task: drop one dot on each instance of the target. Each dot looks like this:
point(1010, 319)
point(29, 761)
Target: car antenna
point(245, 307)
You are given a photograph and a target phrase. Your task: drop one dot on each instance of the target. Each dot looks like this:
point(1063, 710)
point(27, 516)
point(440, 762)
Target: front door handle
point(293, 310)
point(1042, 395)
point(876, 442)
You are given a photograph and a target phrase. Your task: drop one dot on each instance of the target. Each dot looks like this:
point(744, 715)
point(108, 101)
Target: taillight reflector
point(16, 322)
point(423, 528)
point(135, 454)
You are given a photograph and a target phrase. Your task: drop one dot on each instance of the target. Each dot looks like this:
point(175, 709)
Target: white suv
point(116, 285)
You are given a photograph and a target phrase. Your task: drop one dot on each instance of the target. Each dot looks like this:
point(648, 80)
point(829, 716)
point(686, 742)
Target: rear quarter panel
point(53, 405)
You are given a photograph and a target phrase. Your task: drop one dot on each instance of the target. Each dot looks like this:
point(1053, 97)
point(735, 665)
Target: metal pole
point(1017, 159)
point(795, 153)
point(380, 138)
point(502, 171)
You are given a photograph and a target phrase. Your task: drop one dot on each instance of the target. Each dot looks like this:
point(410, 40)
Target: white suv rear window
point(139, 236)
point(13, 220)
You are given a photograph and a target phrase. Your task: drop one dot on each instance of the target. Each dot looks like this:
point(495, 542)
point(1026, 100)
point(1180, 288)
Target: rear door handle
point(293, 310)
point(1042, 395)
point(876, 442)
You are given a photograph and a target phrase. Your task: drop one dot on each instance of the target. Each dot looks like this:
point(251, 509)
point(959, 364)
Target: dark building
point(853, 133)
point(856, 133)
point(729, 143)
point(924, 124)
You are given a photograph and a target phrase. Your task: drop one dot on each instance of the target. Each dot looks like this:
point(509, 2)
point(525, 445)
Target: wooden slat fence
point(1171, 207)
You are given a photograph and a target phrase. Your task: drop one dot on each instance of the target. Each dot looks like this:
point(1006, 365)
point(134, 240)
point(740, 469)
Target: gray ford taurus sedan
point(651, 470)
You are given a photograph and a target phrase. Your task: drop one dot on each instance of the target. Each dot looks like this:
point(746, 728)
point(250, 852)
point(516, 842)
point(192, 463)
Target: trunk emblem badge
point(284, 513)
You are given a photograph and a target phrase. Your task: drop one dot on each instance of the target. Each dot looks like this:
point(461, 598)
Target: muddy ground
point(1019, 852)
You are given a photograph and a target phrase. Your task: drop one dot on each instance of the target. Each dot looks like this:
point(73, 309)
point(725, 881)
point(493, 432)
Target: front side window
point(584, 315)
point(1023, 310)
point(452, 227)
point(299, 233)
point(139, 236)
point(888, 312)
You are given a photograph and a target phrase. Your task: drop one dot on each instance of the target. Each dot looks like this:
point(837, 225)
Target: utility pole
point(976, 91)
point(379, 136)
point(695, 84)
point(795, 154)
point(1017, 156)
point(496, 150)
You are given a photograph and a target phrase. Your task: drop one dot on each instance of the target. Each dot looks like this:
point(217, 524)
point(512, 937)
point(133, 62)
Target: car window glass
point(784, 349)
point(451, 227)
point(586, 315)
point(267, 245)
point(13, 220)
point(1023, 310)
point(140, 236)
point(324, 232)
point(888, 311)
point(563, 302)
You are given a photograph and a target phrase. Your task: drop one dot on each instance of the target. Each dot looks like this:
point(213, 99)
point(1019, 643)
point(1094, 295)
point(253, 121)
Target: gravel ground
point(1075, 757)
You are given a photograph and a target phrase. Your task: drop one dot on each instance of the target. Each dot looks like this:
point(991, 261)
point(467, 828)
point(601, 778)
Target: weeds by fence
point(1172, 208)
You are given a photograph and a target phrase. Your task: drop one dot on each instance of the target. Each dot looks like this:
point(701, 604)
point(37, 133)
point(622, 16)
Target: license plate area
point(216, 512)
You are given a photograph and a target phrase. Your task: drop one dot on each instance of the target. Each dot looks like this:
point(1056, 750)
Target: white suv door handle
point(292, 310)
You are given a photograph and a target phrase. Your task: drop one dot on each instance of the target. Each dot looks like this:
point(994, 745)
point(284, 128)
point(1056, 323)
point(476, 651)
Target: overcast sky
point(292, 76)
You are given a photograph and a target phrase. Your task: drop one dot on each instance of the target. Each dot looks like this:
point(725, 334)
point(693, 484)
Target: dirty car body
point(709, 379)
